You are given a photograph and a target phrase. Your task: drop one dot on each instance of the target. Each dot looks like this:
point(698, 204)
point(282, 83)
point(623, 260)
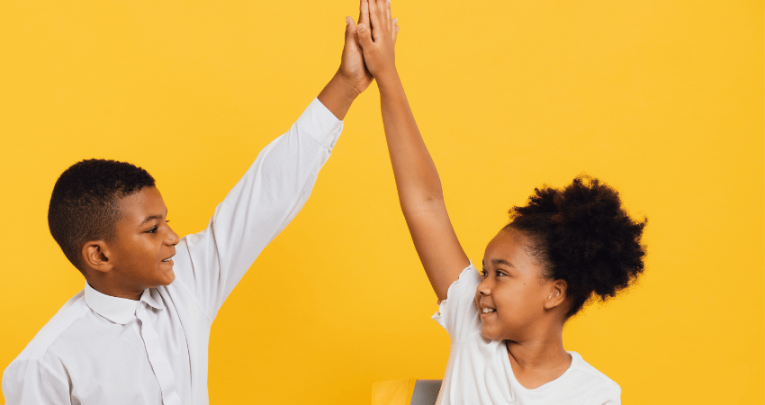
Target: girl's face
point(512, 294)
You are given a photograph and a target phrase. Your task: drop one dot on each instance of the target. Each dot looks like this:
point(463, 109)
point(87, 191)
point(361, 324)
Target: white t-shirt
point(479, 370)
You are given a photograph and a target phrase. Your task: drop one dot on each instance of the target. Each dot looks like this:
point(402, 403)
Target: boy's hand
point(351, 79)
point(352, 62)
point(377, 33)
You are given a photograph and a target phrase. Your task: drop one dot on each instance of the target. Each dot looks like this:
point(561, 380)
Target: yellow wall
point(661, 99)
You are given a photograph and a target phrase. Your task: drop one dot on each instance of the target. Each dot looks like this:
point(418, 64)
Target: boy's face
point(144, 243)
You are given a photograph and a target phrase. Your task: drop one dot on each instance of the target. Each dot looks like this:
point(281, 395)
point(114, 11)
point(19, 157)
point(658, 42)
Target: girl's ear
point(96, 255)
point(557, 294)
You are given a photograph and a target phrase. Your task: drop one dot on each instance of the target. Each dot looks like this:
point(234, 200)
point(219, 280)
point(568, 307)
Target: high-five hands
point(368, 54)
point(377, 32)
point(352, 61)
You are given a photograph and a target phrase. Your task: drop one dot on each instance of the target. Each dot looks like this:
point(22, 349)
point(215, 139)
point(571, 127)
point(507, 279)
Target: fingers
point(395, 29)
point(387, 11)
point(364, 12)
point(364, 34)
point(375, 19)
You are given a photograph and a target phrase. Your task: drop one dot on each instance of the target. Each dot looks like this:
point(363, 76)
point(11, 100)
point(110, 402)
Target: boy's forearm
point(260, 205)
point(338, 95)
point(413, 168)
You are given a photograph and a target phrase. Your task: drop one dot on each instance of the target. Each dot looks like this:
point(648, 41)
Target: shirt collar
point(151, 297)
point(119, 310)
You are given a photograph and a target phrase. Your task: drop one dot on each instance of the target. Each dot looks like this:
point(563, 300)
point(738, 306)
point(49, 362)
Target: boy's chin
point(169, 279)
point(166, 279)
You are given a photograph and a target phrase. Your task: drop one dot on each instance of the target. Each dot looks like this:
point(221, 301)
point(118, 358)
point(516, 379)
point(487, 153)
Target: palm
point(352, 63)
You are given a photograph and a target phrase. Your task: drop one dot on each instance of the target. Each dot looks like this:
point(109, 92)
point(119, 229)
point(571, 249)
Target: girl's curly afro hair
point(582, 235)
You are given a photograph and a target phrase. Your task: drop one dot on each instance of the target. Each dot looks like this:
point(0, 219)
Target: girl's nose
point(483, 287)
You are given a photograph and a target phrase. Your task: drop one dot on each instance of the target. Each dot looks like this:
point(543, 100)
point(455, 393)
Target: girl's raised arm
point(419, 188)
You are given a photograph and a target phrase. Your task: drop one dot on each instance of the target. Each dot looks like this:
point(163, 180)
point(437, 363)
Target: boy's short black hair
point(84, 204)
point(581, 234)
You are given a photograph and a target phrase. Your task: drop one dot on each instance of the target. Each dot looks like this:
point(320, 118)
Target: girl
point(563, 247)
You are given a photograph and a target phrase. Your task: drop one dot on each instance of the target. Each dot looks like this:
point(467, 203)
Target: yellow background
point(661, 99)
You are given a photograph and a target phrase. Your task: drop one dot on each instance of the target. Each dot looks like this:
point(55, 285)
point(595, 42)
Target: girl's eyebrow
point(501, 261)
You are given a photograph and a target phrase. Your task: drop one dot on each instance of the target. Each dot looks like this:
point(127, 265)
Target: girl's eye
point(484, 273)
point(152, 230)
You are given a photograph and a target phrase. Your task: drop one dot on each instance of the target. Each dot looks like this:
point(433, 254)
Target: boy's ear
point(557, 294)
point(96, 255)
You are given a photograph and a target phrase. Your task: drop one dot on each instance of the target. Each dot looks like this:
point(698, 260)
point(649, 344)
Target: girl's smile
point(511, 297)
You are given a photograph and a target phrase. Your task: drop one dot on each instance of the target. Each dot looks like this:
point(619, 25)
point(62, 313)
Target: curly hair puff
point(581, 234)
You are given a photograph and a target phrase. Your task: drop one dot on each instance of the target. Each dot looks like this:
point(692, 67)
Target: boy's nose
point(172, 238)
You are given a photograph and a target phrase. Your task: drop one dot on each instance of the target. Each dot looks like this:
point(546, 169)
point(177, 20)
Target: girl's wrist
point(388, 81)
point(388, 77)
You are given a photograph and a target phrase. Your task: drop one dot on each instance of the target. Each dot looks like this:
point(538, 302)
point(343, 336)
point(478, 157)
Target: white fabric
point(103, 350)
point(479, 370)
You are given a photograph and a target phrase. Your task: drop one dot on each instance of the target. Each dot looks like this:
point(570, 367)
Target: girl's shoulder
point(589, 380)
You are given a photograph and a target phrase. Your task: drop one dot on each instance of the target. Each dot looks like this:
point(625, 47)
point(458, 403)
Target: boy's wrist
point(345, 85)
point(338, 95)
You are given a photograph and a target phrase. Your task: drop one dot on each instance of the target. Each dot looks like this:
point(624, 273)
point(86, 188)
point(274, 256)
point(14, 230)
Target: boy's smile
point(141, 253)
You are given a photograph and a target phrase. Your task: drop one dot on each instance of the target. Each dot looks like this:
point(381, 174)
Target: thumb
point(365, 36)
point(350, 28)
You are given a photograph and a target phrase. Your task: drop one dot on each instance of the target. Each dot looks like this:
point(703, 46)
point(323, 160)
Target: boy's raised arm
point(351, 78)
point(419, 188)
point(272, 191)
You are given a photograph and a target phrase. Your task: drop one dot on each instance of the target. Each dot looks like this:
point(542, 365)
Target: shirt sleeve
point(458, 313)
point(257, 209)
point(33, 382)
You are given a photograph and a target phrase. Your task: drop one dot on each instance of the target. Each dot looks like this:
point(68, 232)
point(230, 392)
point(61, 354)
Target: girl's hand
point(377, 32)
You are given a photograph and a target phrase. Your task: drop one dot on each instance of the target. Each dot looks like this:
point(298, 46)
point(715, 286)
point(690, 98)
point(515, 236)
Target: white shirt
point(479, 370)
point(103, 350)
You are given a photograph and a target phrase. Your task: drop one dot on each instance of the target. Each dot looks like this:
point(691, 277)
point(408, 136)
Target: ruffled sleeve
point(458, 313)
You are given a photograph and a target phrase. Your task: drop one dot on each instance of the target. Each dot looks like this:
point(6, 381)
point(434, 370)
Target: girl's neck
point(535, 354)
point(538, 361)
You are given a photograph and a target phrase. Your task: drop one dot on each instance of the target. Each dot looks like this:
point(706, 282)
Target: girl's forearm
point(416, 176)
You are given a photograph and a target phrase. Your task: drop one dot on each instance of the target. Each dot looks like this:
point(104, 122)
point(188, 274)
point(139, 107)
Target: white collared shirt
point(104, 350)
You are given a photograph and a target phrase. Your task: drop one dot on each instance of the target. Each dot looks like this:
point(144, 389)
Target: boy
point(139, 331)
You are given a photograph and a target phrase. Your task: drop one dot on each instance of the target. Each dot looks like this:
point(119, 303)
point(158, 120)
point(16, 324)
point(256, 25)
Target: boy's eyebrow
point(150, 217)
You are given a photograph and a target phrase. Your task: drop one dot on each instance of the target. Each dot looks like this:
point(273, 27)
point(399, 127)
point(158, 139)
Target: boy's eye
point(484, 273)
point(152, 230)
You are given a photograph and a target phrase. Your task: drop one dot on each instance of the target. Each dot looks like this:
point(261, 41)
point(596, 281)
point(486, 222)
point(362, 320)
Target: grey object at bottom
point(425, 392)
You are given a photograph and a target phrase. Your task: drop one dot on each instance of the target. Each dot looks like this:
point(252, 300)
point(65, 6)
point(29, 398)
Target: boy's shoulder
point(69, 313)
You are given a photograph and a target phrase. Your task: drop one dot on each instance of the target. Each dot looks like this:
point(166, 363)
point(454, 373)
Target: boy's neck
point(108, 287)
